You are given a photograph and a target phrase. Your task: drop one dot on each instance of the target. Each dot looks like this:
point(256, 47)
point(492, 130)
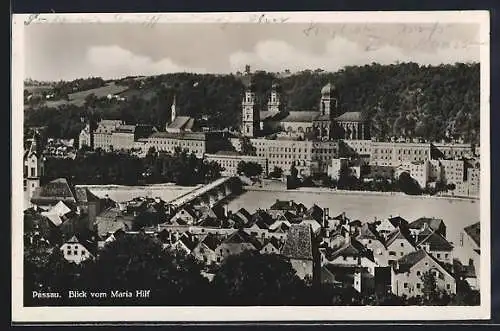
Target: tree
point(249, 169)
point(408, 185)
point(257, 280)
point(276, 173)
point(429, 286)
point(246, 146)
point(135, 262)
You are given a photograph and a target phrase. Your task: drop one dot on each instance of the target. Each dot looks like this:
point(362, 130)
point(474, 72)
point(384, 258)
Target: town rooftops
point(125, 129)
point(298, 244)
point(367, 231)
point(474, 232)
point(398, 233)
point(409, 260)
point(435, 241)
point(182, 123)
point(284, 205)
point(211, 241)
point(53, 192)
point(181, 135)
point(241, 237)
point(351, 116)
point(351, 248)
point(83, 194)
point(433, 223)
point(398, 221)
point(301, 116)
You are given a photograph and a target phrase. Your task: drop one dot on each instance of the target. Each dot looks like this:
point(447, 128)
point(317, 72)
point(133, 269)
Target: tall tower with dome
point(329, 101)
point(250, 113)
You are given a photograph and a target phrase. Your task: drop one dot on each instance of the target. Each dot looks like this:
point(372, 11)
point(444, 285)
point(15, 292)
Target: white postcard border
point(167, 314)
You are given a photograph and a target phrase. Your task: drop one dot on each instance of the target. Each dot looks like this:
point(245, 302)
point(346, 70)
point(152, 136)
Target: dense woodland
point(401, 99)
point(101, 167)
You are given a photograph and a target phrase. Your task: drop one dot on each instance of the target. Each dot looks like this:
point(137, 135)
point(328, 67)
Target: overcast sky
point(112, 50)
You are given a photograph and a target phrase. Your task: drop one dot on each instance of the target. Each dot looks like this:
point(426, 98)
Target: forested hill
point(401, 99)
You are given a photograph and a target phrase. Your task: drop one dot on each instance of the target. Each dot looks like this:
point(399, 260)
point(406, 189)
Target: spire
point(173, 109)
point(34, 148)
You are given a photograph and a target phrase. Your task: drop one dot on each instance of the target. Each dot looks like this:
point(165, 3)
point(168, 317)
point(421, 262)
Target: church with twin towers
point(328, 123)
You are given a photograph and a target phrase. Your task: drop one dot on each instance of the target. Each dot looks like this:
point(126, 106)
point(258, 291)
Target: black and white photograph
point(251, 166)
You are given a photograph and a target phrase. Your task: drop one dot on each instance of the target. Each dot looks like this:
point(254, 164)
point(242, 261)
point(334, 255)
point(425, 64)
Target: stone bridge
point(210, 194)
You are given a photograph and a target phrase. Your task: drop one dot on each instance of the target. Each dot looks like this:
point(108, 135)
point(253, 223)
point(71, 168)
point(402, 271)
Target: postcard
point(233, 167)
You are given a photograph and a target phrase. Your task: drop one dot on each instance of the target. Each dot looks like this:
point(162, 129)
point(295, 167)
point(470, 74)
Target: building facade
point(394, 154)
point(229, 162)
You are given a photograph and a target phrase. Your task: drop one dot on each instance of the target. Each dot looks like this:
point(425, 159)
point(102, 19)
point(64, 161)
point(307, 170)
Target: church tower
point(274, 103)
point(329, 103)
point(34, 167)
point(250, 114)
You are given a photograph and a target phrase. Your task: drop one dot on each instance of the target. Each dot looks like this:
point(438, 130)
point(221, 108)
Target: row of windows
point(176, 142)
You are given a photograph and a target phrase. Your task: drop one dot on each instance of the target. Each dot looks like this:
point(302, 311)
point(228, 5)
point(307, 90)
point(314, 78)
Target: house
point(237, 243)
point(271, 246)
point(317, 213)
point(313, 223)
point(241, 218)
point(279, 229)
point(423, 223)
point(351, 254)
point(205, 251)
point(386, 226)
point(40, 228)
point(398, 244)
point(343, 276)
point(470, 240)
point(184, 216)
point(298, 248)
point(111, 220)
point(372, 240)
point(408, 271)
point(282, 206)
point(435, 244)
point(260, 223)
point(186, 243)
point(48, 195)
point(79, 248)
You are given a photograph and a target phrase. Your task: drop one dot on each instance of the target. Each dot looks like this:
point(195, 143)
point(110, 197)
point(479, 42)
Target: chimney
point(291, 202)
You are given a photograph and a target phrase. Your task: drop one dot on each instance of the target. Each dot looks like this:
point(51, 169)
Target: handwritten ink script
point(410, 35)
point(149, 21)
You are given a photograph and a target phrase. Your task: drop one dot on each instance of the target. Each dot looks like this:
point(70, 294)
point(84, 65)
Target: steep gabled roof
point(211, 241)
point(398, 233)
point(398, 221)
point(241, 237)
point(474, 232)
point(409, 260)
point(83, 195)
point(298, 244)
point(262, 219)
point(284, 205)
point(188, 240)
point(435, 241)
point(315, 212)
point(301, 116)
point(351, 116)
point(53, 192)
point(351, 248)
point(433, 223)
point(368, 231)
point(181, 123)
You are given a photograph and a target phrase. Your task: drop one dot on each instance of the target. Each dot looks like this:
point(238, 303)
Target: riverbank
point(138, 187)
point(324, 190)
